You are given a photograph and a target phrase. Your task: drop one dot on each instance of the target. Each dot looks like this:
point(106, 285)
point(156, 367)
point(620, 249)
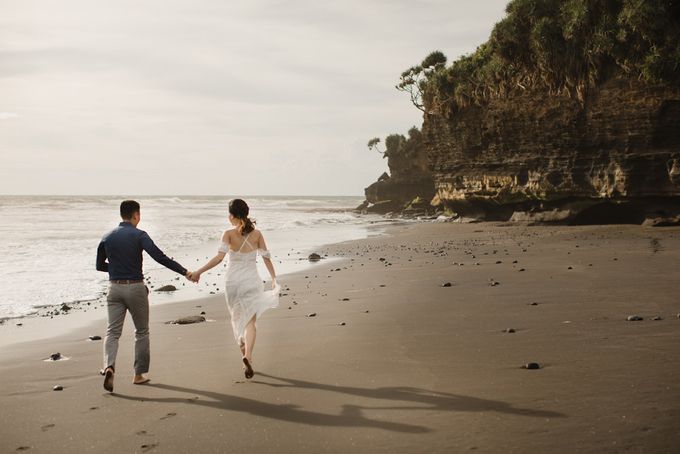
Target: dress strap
point(244, 242)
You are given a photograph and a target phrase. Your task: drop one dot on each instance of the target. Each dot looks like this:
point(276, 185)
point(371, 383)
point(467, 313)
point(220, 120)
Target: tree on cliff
point(404, 154)
point(561, 46)
point(413, 81)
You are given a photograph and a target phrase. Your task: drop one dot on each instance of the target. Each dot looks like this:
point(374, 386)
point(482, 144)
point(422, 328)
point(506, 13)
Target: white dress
point(244, 289)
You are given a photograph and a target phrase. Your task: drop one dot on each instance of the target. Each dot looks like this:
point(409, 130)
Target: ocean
point(48, 244)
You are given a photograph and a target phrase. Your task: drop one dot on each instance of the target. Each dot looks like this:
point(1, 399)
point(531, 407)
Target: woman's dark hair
point(239, 209)
point(128, 208)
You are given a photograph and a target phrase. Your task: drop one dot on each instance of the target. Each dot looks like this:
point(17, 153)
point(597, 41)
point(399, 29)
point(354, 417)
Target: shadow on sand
point(350, 415)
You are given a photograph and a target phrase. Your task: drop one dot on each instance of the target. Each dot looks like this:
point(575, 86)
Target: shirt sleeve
point(224, 247)
point(102, 265)
point(264, 253)
point(158, 255)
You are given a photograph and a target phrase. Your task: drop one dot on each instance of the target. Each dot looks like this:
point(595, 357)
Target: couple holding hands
point(120, 254)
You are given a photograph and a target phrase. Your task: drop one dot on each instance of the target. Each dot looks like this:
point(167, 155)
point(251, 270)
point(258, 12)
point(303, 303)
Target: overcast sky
point(215, 97)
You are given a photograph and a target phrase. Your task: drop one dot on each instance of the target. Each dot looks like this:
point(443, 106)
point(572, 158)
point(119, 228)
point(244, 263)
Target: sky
point(213, 97)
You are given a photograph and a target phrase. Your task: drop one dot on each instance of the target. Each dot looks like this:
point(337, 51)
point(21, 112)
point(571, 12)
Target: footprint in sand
point(47, 427)
point(94, 408)
point(23, 448)
point(169, 415)
point(149, 447)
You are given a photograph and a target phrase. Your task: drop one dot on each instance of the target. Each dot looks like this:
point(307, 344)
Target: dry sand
point(417, 367)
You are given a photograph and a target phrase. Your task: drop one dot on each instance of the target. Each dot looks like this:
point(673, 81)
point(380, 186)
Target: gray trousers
point(122, 298)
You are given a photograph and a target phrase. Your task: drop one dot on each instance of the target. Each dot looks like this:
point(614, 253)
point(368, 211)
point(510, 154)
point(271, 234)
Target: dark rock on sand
point(95, 338)
point(345, 299)
point(58, 388)
point(634, 318)
point(167, 288)
point(657, 318)
point(202, 312)
point(55, 356)
point(314, 257)
point(509, 330)
point(65, 307)
point(188, 320)
point(531, 366)
point(446, 284)
point(313, 314)
point(343, 324)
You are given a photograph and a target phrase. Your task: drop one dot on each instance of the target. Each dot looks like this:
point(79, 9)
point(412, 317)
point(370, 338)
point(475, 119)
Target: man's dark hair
point(128, 208)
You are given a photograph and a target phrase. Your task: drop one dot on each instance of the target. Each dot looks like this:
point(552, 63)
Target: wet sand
point(393, 361)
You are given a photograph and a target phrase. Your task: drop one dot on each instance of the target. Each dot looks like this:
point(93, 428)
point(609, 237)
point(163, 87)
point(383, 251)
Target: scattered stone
point(314, 257)
point(343, 324)
point(531, 366)
point(20, 324)
point(569, 268)
point(533, 304)
point(498, 262)
point(55, 356)
point(634, 318)
point(202, 312)
point(65, 307)
point(95, 338)
point(446, 284)
point(522, 269)
point(494, 283)
point(188, 320)
point(657, 318)
point(345, 299)
point(509, 330)
point(167, 288)
point(382, 259)
point(366, 312)
point(58, 388)
point(313, 314)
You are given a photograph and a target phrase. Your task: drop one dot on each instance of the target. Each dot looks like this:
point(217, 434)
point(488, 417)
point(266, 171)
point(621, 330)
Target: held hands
point(193, 276)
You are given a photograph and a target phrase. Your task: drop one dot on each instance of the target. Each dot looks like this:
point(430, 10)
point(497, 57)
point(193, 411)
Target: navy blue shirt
point(123, 248)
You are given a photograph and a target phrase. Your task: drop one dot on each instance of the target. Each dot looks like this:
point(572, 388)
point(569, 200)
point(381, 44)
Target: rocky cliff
point(533, 152)
point(570, 112)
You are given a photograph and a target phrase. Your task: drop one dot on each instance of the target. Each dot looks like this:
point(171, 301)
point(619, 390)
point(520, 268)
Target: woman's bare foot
point(108, 379)
point(242, 346)
point(249, 372)
point(140, 380)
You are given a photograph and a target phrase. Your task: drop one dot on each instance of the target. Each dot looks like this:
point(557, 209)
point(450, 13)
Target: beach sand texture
point(393, 361)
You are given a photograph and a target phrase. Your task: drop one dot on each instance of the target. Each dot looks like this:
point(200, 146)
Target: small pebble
point(533, 304)
point(531, 366)
point(313, 314)
point(202, 312)
point(657, 318)
point(55, 356)
point(58, 388)
point(510, 330)
point(345, 299)
point(634, 318)
point(446, 284)
point(95, 338)
point(342, 324)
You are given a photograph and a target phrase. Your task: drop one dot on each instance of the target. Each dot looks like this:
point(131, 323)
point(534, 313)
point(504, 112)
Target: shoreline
point(155, 278)
point(393, 360)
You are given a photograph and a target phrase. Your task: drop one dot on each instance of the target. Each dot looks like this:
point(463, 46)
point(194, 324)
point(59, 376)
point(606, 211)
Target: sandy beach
point(393, 360)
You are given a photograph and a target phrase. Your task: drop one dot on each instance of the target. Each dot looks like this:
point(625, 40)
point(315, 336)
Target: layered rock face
point(537, 152)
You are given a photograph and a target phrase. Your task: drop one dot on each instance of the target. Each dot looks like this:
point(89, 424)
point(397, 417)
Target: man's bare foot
point(140, 380)
point(108, 379)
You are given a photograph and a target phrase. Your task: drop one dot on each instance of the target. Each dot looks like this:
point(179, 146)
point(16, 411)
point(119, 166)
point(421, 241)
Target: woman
point(246, 299)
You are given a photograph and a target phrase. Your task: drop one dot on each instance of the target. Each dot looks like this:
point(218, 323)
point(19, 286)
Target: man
point(123, 248)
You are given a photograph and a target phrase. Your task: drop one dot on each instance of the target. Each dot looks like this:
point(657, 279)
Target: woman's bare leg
point(250, 335)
